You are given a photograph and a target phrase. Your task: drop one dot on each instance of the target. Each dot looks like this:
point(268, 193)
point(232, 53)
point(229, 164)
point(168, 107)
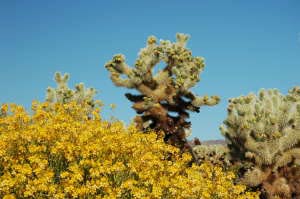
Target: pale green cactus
point(263, 132)
point(216, 154)
point(63, 94)
point(167, 90)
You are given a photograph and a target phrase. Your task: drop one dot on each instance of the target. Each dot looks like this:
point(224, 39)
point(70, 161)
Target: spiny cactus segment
point(165, 92)
point(263, 134)
point(216, 154)
point(64, 94)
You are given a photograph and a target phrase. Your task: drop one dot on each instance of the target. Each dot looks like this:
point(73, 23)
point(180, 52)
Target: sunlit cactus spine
point(216, 154)
point(263, 134)
point(63, 94)
point(166, 91)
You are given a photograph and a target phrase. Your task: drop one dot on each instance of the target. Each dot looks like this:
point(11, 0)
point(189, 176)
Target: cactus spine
point(216, 154)
point(166, 91)
point(263, 134)
point(63, 94)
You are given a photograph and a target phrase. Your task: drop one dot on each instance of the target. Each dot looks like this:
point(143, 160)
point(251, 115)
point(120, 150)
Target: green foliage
point(263, 133)
point(166, 91)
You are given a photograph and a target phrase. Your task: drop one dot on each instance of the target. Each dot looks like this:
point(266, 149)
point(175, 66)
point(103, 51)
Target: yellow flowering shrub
point(63, 153)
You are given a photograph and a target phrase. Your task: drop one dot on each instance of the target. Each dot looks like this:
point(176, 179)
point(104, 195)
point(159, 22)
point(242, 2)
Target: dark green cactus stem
point(263, 133)
point(166, 91)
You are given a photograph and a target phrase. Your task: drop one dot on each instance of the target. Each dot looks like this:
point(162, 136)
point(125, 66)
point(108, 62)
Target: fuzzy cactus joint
point(167, 91)
point(263, 136)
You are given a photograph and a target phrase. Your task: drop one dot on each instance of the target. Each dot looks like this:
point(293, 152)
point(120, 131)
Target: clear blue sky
point(247, 45)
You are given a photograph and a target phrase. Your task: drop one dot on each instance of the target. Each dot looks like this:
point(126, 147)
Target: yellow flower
point(9, 196)
point(4, 108)
point(59, 152)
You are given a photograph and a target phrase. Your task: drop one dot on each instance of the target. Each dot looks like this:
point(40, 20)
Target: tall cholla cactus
point(263, 132)
point(63, 94)
point(167, 90)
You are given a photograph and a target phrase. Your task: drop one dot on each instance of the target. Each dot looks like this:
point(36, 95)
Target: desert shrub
point(63, 153)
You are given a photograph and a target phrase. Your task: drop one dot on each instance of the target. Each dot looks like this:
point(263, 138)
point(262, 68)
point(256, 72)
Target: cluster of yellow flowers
point(63, 153)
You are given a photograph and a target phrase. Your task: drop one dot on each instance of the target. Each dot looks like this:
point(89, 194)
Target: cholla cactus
point(263, 132)
point(63, 94)
point(164, 92)
point(216, 154)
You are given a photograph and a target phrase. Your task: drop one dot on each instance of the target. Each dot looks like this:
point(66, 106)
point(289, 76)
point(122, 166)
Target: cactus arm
point(165, 91)
point(262, 131)
point(63, 94)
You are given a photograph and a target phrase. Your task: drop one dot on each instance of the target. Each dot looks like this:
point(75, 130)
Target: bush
point(63, 153)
